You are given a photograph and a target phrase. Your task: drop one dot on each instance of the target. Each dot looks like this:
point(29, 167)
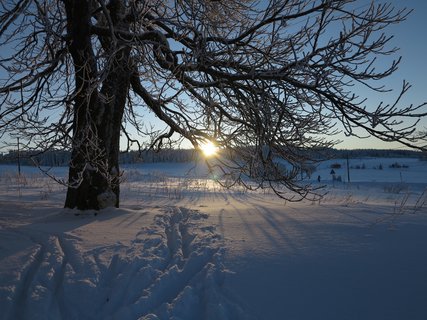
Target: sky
point(409, 37)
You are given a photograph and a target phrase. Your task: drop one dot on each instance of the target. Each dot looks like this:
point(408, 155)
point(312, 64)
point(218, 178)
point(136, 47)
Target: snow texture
point(181, 247)
point(170, 268)
point(106, 199)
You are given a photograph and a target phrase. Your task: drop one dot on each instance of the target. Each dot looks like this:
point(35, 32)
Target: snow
point(181, 247)
point(106, 199)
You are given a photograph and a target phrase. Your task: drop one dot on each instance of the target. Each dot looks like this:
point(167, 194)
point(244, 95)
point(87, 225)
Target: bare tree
point(267, 81)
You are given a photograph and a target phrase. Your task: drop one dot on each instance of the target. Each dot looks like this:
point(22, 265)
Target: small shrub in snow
point(421, 201)
point(336, 178)
point(397, 165)
point(395, 188)
point(134, 175)
point(308, 169)
point(358, 166)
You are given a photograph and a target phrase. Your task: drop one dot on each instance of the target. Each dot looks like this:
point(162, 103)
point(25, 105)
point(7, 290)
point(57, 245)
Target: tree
point(267, 81)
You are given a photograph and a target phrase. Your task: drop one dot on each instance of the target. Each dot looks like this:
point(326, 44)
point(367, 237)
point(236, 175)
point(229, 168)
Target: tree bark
point(94, 174)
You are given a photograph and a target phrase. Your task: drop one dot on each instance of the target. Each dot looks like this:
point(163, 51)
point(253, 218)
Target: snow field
point(171, 268)
point(181, 247)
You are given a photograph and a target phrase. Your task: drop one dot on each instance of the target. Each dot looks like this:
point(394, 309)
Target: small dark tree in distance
point(265, 80)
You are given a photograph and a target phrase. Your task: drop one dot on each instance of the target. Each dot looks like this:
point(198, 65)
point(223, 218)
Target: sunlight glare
point(209, 149)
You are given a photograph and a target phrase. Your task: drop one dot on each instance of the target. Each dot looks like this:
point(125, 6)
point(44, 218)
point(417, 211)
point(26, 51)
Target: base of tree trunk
point(92, 193)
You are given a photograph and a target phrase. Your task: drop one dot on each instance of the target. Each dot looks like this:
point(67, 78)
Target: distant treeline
point(376, 153)
point(58, 158)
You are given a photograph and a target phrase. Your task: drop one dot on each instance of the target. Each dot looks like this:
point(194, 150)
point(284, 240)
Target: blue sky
point(410, 37)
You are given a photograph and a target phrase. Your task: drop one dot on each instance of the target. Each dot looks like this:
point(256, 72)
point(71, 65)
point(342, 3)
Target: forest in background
point(59, 158)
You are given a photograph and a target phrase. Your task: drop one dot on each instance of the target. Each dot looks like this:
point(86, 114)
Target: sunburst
point(209, 149)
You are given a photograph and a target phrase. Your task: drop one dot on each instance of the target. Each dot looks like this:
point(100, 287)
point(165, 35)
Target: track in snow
point(171, 269)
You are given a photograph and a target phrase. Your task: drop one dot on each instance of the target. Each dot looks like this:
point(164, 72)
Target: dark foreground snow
point(121, 264)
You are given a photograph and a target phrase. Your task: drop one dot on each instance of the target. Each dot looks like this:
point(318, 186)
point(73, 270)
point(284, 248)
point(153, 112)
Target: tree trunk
point(94, 174)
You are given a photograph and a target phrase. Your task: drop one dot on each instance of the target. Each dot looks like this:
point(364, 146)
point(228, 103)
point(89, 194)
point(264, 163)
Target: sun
point(209, 149)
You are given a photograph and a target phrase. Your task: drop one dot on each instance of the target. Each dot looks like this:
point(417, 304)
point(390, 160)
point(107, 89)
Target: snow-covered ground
point(181, 247)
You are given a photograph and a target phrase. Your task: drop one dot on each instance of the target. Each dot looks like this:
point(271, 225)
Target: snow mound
point(171, 269)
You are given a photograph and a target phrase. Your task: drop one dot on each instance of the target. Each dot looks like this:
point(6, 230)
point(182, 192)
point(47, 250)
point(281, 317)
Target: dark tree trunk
point(94, 174)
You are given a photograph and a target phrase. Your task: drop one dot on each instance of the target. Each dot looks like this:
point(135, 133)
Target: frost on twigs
point(272, 85)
